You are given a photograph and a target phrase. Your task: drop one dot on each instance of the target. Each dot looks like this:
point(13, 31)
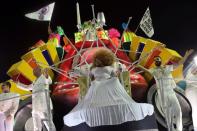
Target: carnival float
point(67, 60)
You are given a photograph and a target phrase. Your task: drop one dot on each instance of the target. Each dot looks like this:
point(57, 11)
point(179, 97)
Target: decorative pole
point(78, 17)
point(93, 12)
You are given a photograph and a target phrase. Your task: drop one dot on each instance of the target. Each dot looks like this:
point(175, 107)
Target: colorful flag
point(146, 24)
point(43, 14)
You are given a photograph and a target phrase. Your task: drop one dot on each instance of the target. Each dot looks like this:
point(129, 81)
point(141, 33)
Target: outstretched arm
point(25, 87)
point(144, 69)
point(182, 61)
point(187, 54)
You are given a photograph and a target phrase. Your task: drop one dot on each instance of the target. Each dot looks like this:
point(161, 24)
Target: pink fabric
point(113, 33)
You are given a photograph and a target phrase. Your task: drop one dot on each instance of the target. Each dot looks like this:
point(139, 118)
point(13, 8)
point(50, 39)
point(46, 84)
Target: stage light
point(195, 60)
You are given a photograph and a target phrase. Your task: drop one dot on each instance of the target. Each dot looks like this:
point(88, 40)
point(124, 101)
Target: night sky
point(175, 23)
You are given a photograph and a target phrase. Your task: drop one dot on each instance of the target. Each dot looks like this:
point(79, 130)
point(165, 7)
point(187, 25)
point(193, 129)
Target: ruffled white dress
point(106, 103)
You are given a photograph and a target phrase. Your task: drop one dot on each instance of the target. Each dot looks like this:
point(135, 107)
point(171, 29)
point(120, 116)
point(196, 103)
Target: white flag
point(43, 14)
point(146, 24)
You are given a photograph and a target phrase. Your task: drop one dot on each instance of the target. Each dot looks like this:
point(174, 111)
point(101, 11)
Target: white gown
point(191, 94)
point(39, 103)
point(8, 107)
point(39, 98)
point(167, 97)
point(106, 103)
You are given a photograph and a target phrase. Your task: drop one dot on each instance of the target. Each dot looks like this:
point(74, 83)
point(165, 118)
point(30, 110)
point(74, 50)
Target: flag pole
point(49, 24)
point(137, 27)
point(49, 28)
point(128, 22)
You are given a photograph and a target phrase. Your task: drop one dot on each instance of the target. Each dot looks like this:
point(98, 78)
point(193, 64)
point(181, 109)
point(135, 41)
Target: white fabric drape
point(106, 103)
point(191, 94)
point(8, 107)
point(40, 109)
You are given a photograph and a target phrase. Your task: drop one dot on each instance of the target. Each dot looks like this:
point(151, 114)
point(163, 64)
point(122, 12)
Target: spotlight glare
point(195, 60)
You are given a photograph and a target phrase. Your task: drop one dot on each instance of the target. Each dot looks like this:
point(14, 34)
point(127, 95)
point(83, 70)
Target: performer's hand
point(117, 73)
point(9, 117)
point(189, 52)
point(163, 45)
point(15, 81)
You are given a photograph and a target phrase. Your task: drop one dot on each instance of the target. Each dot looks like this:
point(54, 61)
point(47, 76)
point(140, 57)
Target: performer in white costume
point(166, 95)
point(191, 93)
point(41, 110)
point(8, 107)
point(106, 102)
point(40, 99)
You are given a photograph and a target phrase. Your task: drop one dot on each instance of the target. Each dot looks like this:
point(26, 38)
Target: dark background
point(174, 23)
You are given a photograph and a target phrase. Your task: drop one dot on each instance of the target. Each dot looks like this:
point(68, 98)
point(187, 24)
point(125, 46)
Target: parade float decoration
point(65, 61)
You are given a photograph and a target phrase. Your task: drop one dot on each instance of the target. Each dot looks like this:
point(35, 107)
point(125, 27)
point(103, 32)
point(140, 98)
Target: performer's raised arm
point(23, 86)
point(182, 61)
